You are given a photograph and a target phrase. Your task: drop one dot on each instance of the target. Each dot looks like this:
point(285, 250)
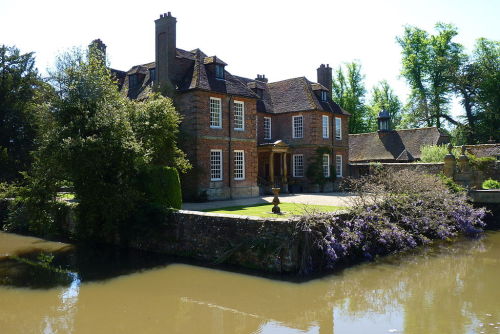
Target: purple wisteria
point(394, 213)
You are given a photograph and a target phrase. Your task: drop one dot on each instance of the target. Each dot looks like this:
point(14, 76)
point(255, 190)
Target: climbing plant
point(315, 171)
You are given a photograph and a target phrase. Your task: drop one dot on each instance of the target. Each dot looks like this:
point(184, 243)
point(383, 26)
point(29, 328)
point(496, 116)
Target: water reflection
point(452, 288)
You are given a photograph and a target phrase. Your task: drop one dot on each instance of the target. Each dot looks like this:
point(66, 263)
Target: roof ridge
point(275, 82)
point(196, 69)
point(424, 128)
point(310, 93)
point(398, 130)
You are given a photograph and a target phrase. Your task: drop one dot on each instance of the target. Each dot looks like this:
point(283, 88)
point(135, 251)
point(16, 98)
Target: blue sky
point(281, 39)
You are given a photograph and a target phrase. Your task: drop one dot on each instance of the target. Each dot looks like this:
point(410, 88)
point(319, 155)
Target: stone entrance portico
point(273, 165)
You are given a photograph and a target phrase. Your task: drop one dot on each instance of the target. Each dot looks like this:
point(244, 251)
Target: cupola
point(384, 121)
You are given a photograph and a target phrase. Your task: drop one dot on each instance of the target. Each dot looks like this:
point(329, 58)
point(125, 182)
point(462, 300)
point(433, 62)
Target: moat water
point(446, 288)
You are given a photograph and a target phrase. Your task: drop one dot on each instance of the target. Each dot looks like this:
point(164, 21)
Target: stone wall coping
point(486, 191)
point(396, 163)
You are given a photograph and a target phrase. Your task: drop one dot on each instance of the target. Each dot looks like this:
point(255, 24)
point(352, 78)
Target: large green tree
point(22, 96)
point(348, 90)
point(429, 66)
point(477, 83)
point(384, 98)
point(102, 143)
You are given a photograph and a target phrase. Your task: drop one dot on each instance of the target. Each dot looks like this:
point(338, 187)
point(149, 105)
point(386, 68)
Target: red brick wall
point(198, 139)
point(312, 139)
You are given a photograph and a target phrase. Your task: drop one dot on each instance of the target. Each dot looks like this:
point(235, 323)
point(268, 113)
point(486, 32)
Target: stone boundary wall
point(359, 169)
point(427, 168)
point(265, 244)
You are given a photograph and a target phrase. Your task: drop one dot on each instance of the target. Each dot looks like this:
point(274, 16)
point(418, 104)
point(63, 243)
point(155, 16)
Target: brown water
point(450, 288)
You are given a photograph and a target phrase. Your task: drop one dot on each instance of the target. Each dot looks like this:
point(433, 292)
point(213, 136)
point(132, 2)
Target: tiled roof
point(399, 145)
point(290, 95)
point(193, 70)
point(484, 150)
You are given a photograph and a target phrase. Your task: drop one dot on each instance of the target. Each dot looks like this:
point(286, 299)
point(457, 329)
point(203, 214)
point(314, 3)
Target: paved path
point(335, 199)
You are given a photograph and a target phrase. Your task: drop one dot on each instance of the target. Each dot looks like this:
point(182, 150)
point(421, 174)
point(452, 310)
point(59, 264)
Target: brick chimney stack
point(325, 77)
point(165, 51)
point(262, 78)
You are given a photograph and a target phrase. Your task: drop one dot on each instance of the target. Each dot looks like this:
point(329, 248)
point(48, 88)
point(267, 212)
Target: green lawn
point(265, 210)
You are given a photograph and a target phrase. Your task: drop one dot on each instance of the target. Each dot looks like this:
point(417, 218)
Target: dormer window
point(324, 95)
point(152, 74)
point(132, 80)
point(219, 71)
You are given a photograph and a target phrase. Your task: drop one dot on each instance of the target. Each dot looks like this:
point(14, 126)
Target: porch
point(274, 166)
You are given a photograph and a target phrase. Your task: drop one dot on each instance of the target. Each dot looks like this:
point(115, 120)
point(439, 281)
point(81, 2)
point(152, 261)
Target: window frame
point(294, 134)
point(324, 96)
point(133, 81)
point(326, 128)
point(242, 166)
point(270, 128)
point(242, 104)
point(219, 71)
point(338, 128)
point(338, 171)
point(294, 165)
point(326, 168)
point(219, 100)
point(152, 74)
point(221, 166)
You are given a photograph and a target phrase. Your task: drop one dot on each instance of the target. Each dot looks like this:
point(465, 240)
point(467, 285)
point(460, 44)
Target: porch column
point(285, 171)
point(271, 168)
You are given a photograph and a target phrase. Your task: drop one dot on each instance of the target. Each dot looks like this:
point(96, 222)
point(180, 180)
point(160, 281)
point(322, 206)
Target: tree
point(429, 66)
point(348, 91)
point(486, 59)
point(93, 143)
point(22, 95)
point(384, 98)
point(477, 83)
point(103, 144)
point(155, 123)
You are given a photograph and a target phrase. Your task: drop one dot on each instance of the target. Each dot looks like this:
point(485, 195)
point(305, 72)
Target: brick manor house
point(242, 135)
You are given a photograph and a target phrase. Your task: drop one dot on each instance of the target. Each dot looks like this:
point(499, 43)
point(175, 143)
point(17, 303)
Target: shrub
point(393, 212)
point(483, 163)
point(450, 184)
point(491, 184)
point(436, 153)
point(162, 186)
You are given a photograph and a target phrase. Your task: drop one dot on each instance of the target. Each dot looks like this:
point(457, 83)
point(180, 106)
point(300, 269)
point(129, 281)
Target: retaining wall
point(257, 243)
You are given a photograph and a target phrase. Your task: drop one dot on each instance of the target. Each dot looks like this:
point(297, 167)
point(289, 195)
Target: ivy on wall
point(315, 167)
